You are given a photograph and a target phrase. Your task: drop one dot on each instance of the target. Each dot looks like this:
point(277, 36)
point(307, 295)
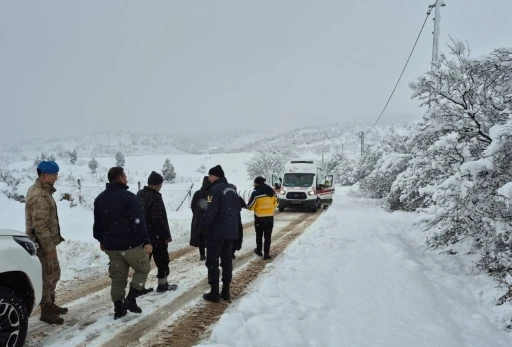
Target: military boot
point(166, 287)
point(57, 309)
point(49, 316)
point(130, 302)
point(145, 291)
point(213, 295)
point(224, 294)
point(119, 309)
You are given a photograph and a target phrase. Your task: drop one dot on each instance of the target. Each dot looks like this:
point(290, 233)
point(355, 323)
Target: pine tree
point(120, 161)
point(43, 156)
point(51, 157)
point(168, 171)
point(93, 165)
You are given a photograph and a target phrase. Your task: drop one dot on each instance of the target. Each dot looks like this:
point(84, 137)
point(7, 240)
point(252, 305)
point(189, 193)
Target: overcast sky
point(76, 67)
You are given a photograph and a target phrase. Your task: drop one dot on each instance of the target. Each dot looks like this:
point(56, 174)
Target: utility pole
point(436, 32)
point(361, 137)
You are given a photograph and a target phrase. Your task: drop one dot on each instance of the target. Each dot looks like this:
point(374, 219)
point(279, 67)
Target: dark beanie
point(216, 171)
point(155, 179)
point(259, 180)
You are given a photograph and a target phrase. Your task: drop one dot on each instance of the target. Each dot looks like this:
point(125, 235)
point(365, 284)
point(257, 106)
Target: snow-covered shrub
point(93, 165)
point(202, 169)
point(266, 162)
point(343, 168)
point(9, 184)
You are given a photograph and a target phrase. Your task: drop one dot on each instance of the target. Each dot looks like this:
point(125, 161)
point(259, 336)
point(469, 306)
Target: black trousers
point(202, 250)
point(263, 227)
point(222, 249)
point(161, 257)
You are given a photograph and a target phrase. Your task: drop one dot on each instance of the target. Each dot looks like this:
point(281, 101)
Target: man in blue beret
point(42, 227)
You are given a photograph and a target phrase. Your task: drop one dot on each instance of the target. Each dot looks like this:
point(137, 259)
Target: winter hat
point(259, 180)
point(48, 167)
point(216, 171)
point(155, 179)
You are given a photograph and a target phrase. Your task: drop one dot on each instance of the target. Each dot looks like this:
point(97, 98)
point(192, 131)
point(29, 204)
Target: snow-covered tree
point(466, 98)
point(43, 156)
point(460, 170)
point(73, 156)
point(266, 162)
point(168, 171)
point(120, 161)
point(93, 165)
point(51, 157)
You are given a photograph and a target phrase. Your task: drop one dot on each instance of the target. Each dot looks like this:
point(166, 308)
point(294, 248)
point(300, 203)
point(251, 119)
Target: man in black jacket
point(158, 229)
point(120, 227)
point(220, 224)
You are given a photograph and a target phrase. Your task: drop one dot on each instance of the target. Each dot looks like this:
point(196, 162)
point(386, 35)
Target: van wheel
point(281, 209)
point(13, 318)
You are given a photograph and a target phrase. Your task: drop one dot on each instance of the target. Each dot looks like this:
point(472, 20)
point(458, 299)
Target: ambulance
point(305, 186)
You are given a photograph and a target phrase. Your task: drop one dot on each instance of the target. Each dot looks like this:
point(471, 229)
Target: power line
point(403, 70)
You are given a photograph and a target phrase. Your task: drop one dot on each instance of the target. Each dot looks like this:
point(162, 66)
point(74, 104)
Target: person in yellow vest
point(263, 202)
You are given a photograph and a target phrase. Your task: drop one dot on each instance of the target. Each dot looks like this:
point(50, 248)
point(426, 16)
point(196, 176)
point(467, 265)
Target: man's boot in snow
point(130, 302)
point(224, 294)
point(119, 309)
point(145, 291)
point(213, 295)
point(164, 286)
point(258, 252)
point(49, 316)
point(267, 256)
point(57, 309)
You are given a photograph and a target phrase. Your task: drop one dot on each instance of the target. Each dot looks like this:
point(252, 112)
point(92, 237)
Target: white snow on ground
point(361, 276)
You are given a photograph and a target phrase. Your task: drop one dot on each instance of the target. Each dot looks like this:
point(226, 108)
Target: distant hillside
point(327, 138)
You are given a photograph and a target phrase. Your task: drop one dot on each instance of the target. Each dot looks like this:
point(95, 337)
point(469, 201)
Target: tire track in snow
point(89, 305)
point(190, 328)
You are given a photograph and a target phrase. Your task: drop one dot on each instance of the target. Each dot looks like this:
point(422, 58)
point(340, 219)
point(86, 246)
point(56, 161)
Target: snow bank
point(357, 278)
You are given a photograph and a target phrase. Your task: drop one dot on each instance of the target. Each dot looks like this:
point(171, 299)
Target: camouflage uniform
point(42, 227)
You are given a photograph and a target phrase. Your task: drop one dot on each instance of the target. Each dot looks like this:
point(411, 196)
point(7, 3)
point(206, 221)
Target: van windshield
point(298, 180)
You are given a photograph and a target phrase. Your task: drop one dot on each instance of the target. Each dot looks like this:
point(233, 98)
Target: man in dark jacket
point(198, 206)
point(158, 229)
point(120, 227)
point(263, 202)
point(220, 223)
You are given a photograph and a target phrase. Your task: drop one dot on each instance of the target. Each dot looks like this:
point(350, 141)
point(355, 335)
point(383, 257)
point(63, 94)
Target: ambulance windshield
point(303, 180)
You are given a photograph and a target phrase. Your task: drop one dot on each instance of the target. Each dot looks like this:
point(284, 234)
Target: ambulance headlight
point(282, 192)
point(312, 192)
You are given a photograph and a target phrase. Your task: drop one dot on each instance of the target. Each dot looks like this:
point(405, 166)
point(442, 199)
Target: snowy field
point(362, 277)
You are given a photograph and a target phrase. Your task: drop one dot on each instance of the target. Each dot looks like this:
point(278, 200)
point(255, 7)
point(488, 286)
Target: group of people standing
point(132, 229)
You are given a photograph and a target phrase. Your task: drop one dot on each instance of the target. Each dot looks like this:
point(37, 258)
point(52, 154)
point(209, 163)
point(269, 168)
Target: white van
point(305, 186)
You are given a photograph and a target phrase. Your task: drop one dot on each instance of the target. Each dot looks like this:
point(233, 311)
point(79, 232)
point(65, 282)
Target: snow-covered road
point(361, 276)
